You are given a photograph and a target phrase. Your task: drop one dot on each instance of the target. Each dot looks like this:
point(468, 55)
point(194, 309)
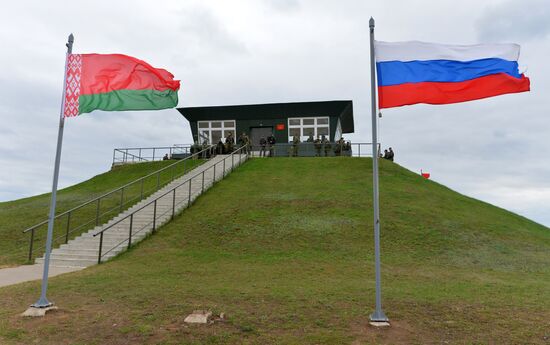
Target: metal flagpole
point(378, 315)
point(43, 301)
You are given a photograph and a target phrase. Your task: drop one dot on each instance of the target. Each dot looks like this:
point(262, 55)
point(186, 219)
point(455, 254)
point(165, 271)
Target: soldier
point(295, 144)
point(310, 139)
point(326, 145)
point(318, 144)
point(271, 142)
point(229, 142)
point(219, 147)
point(390, 154)
point(247, 143)
point(263, 143)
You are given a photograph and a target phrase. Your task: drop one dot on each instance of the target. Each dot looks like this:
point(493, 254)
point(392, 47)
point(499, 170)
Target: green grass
point(284, 247)
point(18, 215)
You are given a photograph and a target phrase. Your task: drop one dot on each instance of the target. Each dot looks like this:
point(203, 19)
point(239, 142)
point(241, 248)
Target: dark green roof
point(343, 109)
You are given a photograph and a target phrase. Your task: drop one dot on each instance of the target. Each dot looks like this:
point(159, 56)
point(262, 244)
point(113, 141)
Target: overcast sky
point(240, 52)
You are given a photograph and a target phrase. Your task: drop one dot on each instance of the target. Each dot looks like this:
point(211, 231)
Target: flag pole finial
point(371, 22)
point(70, 41)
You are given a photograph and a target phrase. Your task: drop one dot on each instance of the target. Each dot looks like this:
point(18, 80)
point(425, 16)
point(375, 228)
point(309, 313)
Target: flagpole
point(378, 315)
point(43, 301)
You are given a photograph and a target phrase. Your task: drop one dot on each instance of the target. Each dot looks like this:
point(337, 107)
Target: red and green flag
point(114, 82)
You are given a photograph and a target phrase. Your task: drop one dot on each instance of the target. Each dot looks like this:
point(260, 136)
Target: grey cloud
point(204, 35)
point(515, 21)
point(283, 5)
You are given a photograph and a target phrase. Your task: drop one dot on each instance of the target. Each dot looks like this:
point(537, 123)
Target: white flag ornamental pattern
point(72, 91)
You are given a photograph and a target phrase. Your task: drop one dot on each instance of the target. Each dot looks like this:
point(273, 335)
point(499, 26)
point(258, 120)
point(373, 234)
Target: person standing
point(318, 144)
point(326, 145)
point(263, 143)
point(295, 144)
point(229, 142)
point(390, 154)
point(271, 142)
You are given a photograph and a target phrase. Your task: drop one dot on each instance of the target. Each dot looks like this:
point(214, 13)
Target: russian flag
point(419, 72)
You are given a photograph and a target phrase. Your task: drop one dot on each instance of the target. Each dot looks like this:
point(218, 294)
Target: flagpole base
point(379, 316)
point(33, 311)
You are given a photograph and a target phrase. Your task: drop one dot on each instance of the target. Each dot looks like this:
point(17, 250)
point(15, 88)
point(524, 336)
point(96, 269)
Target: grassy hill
point(284, 248)
point(15, 216)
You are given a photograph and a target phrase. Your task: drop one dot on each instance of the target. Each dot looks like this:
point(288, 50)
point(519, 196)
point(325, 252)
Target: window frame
point(223, 128)
point(301, 126)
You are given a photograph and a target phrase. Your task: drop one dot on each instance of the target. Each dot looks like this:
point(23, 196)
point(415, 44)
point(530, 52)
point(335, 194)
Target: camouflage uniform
point(318, 145)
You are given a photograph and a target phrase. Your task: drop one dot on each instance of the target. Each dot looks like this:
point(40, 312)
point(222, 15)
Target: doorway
point(256, 133)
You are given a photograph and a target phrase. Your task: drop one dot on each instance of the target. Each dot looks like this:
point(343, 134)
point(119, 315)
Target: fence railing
point(184, 187)
point(98, 210)
point(147, 154)
point(308, 149)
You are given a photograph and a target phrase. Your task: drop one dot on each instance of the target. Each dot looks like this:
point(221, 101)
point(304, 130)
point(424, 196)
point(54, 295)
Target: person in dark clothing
point(390, 154)
point(326, 145)
point(165, 158)
point(220, 147)
point(270, 143)
point(386, 154)
point(229, 142)
point(263, 143)
point(318, 145)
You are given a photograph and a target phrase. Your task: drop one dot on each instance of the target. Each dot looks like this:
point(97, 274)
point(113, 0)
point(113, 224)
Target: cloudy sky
point(239, 52)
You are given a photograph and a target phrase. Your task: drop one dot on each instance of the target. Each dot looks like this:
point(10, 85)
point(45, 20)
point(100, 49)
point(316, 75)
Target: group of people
point(322, 145)
point(269, 143)
point(388, 154)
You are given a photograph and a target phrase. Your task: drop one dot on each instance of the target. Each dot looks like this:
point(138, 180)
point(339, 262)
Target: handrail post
point(232, 162)
point(202, 188)
point(97, 213)
point(223, 171)
point(153, 154)
point(174, 203)
point(155, 216)
point(141, 196)
point(359, 150)
point(140, 153)
point(130, 231)
point(189, 196)
point(31, 244)
point(121, 198)
point(68, 225)
point(100, 247)
point(214, 180)
point(158, 180)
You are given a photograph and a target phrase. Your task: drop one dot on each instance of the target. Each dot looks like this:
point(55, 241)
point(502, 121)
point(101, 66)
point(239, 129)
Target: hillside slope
point(18, 215)
point(284, 248)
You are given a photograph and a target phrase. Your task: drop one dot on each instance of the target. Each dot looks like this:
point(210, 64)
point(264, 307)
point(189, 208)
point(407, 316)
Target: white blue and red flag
point(419, 72)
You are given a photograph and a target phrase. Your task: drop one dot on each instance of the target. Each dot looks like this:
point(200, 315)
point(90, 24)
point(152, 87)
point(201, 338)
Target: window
point(211, 131)
point(303, 127)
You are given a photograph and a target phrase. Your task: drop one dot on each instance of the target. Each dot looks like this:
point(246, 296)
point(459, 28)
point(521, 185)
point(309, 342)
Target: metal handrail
point(118, 189)
point(154, 202)
point(129, 154)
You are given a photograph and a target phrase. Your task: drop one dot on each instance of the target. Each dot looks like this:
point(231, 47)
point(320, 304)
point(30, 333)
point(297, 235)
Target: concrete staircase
point(83, 251)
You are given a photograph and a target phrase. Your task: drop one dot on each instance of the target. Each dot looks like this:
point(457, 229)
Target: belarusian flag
point(116, 82)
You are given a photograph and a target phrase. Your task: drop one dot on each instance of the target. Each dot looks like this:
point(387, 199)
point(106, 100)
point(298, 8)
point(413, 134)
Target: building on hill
point(283, 120)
